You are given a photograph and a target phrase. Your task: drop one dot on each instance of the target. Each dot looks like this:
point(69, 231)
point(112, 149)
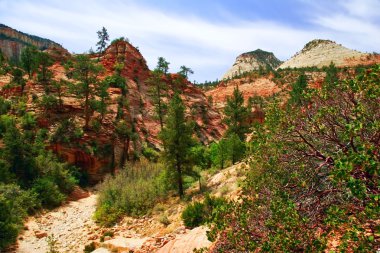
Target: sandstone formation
point(139, 111)
point(195, 239)
point(321, 53)
point(12, 42)
point(249, 61)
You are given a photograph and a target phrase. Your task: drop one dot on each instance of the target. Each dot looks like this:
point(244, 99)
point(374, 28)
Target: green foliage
point(299, 89)
point(331, 78)
point(236, 115)
point(66, 132)
point(314, 175)
point(235, 147)
point(177, 140)
point(18, 78)
point(29, 60)
point(192, 216)
point(89, 247)
point(5, 106)
point(199, 213)
point(15, 204)
point(185, 71)
point(103, 38)
point(44, 74)
point(52, 244)
point(48, 192)
point(133, 191)
point(85, 74)
point(158, 90)
point(150, 154)
point(219, 153)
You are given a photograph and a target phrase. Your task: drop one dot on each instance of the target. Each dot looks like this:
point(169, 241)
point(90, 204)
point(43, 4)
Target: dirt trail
point(71, 225)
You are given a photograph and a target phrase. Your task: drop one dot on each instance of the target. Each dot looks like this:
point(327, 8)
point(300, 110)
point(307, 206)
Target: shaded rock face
point(252, 61)
point(321, 53)
point(12, 42)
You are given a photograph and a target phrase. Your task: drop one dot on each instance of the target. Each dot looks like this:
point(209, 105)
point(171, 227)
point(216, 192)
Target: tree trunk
point(179, 179)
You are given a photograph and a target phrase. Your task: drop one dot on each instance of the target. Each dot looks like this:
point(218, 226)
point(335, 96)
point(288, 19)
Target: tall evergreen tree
point(29, 60)
point(163, 65)
point(236, 115)
point(103, 38)
point(159, 89)
point(44, 74)
point(298, 90)
point(18, 78)
point(178, 141)
point(185, 71)
point(331, 76)
point(85, 74)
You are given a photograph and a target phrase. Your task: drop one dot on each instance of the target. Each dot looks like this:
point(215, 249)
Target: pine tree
point(177, 139)
point(44, 74)
point(298, 90)
point(159, 89)
point(185, 71)
point(236, 115)
point(18, 78)
point(85, 74)
point(163, 65)
point(29, 60)
point(103, 38)
point(331, 76)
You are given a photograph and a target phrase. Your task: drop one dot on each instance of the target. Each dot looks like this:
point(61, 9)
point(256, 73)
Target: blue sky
point(206, 35)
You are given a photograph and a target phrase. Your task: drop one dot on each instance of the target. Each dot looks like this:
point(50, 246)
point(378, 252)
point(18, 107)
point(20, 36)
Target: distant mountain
point(12, 42)
point(253, 60)
point(321, 53)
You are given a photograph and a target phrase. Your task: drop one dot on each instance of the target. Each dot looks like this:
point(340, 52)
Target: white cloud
point(209, 48)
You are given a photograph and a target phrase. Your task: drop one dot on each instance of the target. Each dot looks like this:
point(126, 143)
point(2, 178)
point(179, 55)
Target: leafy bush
point(48, 192)
point(314, 174)
point(193, 215)
point(133, 191)
point(199, 213)
point(89, 247)
point(15, 204)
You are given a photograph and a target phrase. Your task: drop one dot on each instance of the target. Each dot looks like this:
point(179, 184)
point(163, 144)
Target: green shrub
point(133, 191)
point(89, 248)
point(193, 215)
point(15, 204)
point(150, 154)
point(164, 220)
point(48, 192)
point(199, 213)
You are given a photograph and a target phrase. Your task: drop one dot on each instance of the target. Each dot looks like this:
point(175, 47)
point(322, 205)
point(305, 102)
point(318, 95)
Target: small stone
point(40, 234)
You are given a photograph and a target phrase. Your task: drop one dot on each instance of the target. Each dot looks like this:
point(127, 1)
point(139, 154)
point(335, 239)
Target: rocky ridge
point(320, 53)
point(249, 61)
point(140, 109)
point(12, 42)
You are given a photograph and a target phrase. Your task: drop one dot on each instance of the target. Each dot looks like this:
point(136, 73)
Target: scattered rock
point(101, 250)
point(40, 234)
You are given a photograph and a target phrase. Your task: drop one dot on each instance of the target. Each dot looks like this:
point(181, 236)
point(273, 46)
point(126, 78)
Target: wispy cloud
point(206, 45)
